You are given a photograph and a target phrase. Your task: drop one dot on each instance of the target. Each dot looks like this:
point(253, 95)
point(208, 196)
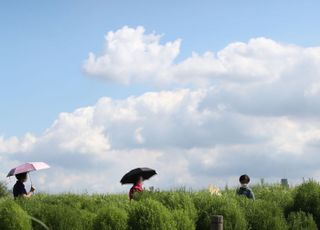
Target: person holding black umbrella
point(137, 187)
point(136, 177)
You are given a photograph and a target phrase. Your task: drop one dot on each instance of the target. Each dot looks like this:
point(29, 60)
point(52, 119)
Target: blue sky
point(43, 45)
point(201, 91)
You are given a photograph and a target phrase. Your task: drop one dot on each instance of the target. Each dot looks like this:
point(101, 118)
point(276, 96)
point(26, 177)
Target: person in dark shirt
point(244, 190)
point(19, 189)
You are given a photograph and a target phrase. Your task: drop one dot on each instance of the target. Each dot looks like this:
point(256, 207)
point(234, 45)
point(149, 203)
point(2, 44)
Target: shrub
point(87, 219)
point(182, 220)
point(275, 193)
point(307, 199)
point(13, 217)
point(301, 221)
point(263, 215)
point(3, 190)
point(99, 201)
point(173, 200)
point(111, 218)
point(178, 209)
point(61, 217)
point(150, 214)
point(208, 205)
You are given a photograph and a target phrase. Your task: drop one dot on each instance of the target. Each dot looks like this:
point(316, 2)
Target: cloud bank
point(249, 108)
point(130, 55)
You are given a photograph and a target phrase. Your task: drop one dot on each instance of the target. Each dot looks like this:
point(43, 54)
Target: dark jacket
point(245, 191)
point(19, 189)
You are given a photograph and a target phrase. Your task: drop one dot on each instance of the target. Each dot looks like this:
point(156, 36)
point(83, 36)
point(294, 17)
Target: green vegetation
point(150, 214)
point(3, 190)
point(301, 221)
point(12, 216)
point(307, 199)
point(111, 218)
point(275, 208)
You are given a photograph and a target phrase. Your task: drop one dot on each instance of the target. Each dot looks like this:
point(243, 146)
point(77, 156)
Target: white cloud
point(138, 135)
point(76, 132)
point(14, 144)
point(188, 140)
point(257, 112)
point(131, 55)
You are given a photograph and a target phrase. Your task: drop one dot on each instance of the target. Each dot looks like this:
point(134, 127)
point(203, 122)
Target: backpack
point(245, 192)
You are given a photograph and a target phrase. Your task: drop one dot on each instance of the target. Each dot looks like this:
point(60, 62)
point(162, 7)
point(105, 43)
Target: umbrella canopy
point(28, 167)
point(132, 176)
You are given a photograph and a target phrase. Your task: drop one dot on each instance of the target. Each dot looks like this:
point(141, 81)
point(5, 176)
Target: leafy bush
point(307, 199)
point(208, 205)
point(111, 218)
point(301, 221)
point(182, 220)
point(86, 202)
point(263, 215)
point(150, 214)
point(174, 200)
point(275, 193)
point(61, 217)
point(179, 210)
point(3, 190)
point(12, 216)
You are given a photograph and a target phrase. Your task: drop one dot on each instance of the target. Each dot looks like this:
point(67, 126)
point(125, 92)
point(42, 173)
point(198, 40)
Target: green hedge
point(307, 199)
point(3, 189)
point(111, 218)
point(208, 205)
point(178, 200)
point(275, 208)
point(150, 214)
point(301, 221)
point(182, 220)
point(263, 215)
point(12, 216)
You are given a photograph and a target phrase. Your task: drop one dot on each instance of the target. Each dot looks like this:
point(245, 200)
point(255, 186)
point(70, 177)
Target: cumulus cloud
point(131, 55)
point(14, 144)
point(253, 108)
point(181, 134)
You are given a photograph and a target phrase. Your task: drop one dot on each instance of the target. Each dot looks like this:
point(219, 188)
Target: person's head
point(22, 177)
point(244, 179)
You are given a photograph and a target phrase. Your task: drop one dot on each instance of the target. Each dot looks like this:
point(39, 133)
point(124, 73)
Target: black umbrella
point(132, 176)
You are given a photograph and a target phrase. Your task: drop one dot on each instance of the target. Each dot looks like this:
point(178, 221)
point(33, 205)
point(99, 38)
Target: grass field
point(275, 208)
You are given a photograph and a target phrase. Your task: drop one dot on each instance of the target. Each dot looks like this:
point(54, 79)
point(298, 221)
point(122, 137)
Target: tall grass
point(276, 207)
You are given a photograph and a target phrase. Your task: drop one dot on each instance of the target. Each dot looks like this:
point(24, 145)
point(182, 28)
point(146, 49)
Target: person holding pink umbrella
point(19, 189)
point(20, 172)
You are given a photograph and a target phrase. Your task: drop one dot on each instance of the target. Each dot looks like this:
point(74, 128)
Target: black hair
point(21, 176)
point(138, 179)
point(244, 179)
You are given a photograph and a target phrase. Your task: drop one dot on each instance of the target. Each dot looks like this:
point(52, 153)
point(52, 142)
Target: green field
point(275, 208)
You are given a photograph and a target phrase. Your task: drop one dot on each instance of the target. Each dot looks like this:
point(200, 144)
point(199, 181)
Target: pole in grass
point(217, 222)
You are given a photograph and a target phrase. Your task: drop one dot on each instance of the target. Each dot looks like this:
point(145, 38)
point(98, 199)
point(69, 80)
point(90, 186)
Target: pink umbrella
point(28, 167)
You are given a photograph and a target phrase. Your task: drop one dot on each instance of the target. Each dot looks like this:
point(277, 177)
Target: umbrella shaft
point(30, 179)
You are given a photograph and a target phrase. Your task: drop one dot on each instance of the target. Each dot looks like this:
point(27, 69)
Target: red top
point(135, 188)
